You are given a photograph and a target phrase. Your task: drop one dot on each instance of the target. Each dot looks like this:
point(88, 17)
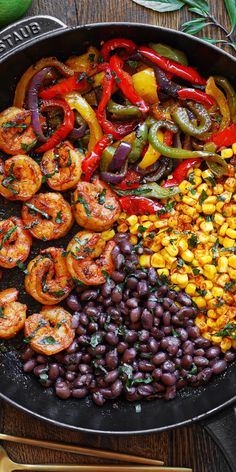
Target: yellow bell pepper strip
point(230, 94)
point(217, 94)
point(77, 102)
point(86, 62)
point(152, 155)
point(23, 83)
point(145, 85)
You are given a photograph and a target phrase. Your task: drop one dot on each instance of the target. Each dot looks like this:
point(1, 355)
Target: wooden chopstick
point(58, 446)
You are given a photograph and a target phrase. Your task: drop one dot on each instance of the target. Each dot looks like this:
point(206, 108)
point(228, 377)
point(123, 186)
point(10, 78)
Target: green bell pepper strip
point(152, 190)
point(230, 93)
point(170, 53)
point(123, 112)
point(217, 165)
point(180, 116)
point(106, 158)
point(139, 142)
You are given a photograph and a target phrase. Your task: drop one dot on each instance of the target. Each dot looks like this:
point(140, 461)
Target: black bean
point(145, 390)
point(151, 303)
point(27, 354)
point(185, 312)
point(132, 303)
point(152, 276)
point(70, 376)
point(230, 356)
point(205, 375)
point(116, 388)
point(107, 288)
point(184, 299)
point(122, 346)
point(129, 355)
point(53, 371)
point(107, 301)
point(62, 390)
point(39, 369)
point(90, 294)
point(173, 344)
point(219, 366)
point(170, 393)
point(29, 365)
point(106, 392)
point(168, 366)
point(145, 366)
point(41, 359)
point(119, 261)
point(159, 358)
point(146, 319)
point(79, 392)
point(75, 320)
point(73, 347)
point(140, 274)
point(131, 336)
point(142, 288)
point(126, 247)
point(193, 332)
point(159, 311)
point(168, 379)
point(92, 312)
point(116, 295)
point(85, 368)
point(143, 335)
point(118, 276)
point(186, 361)
point(73, 302)
point(182, 333)
point(166, 318)
point(188, 347)
point(162, 290)
point(112, 376)
point(98, 398)
point(157, 373)
point(115, 251)
point(167, 302)
point(200, 361)
point(112, 339)
point(135, 314)
point(153, 345)
point(173, 308)
point(202, 342)
point(212, 352)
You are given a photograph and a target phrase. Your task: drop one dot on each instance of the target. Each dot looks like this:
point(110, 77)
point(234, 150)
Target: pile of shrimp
point(48, 216)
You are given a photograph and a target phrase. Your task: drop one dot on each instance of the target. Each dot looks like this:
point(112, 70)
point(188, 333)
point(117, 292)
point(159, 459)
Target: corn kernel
point(203, 188)
point(223, 279)
point(172, 250)
point(147, 224)
point(232, 261)
point(153, 218)
point(180, 279)
point(232, 274)
point(133, 239)
point(230, 184)
point(234, 148)
point(206, 259)
point(228, 242)
point(206, 336)
point(145, 260)
point(217, 292)
point(190, 289)
point(211, 199)
point(207, 226)
point(134, 229)
point(143, 218)
point(210, 323)
point(225, 344)
point(161, 224)
point(208, 208)
point(184, 186)
point(163, 271)
point(206, 174)
point(122, 228)
point(231, 233)
point(218, 189)
point(157, 261)
point(203, 238)
point(187, 255)
point(183, 245)
point(188, 200)
point(206, 285)
point(219, 219)
point(187, 210)
point(200, 302)
point(222, 230)
point(209, 271)
point(132, 220)
point(226, 153)
point(197, 172)
point(219, 206)
point(216, 339)
point(231, 222)
point(156, 247)
point(165, 241)
point(109, 234)
point(168, 258)
point(123, 215)
point(212, 314)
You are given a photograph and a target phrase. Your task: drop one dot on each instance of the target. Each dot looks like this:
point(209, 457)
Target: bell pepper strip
point(92, 160)
point(196, 96)
point(230, 94)
point(185, 72)
point(181, 118)
point(124, 82)
point(117, 43)
point(170, 183)
point(77, 82)
point(63, 130)
point(139, 205)
point(181, 172)
point(77, 102)
point(106, 158)
point(152, 190)
point(131, 180)
point(119, 129)
point(168, 137)
point(227, 137)
point(122, 112)
point(151, 155)
point(170, 53)
point(146, 85)
point(168, 151)
point(139, 143)
point(218, 166)
point(23, 83)
point(219, 97)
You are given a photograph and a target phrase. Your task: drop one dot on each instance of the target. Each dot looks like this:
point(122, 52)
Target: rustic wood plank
point(188, 446)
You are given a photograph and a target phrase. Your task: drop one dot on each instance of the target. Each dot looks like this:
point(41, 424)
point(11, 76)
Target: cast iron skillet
point(20, 46)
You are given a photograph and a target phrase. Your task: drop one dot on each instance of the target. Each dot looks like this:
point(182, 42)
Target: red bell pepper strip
point(227, 137)
point(77, 82)
point(117, 130)
point(64, 129)
point(117, 43)
point(139, 205)
point(185, 72)
point(91, 162)
point(181, 172)
point(168, 137)
point(197, 96)
point(124, 82)
point(131, 180)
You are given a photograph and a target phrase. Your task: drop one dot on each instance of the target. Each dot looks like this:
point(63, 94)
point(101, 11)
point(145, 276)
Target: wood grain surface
point(187, 446)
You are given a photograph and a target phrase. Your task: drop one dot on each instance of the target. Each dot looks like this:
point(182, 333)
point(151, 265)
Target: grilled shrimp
point(50, 331)
point(12, 313)
point(89, 258)
point(61, 167)
point(48, 279)
point(20, 178)
point(16, 132)
point(48, 216)
point(95, 206)
point(15, 242)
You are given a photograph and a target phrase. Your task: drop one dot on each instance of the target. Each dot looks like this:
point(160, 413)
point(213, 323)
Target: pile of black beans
point(135, 336)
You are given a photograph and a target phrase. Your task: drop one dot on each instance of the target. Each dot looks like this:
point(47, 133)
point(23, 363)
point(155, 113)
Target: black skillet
point(21, 45)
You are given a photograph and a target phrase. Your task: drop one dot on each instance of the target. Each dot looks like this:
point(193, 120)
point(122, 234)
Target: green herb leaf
point(1, 314)
point(194, 26)
point(106, 275)
point(229, 285)
point(201, 5)
point(101, 197)
point(193, 241)
point(7, 236)
point(132, 64)
point(22, 267)
point(195, 271)
point(58, 219)
point(28, 147)
point(95, 340)
point(161, 5)
point(13, 124)
point(48, 340)
point(34, 209)
point(85, 205)
point(231, 9)
point(228, 331)
point(203, 197)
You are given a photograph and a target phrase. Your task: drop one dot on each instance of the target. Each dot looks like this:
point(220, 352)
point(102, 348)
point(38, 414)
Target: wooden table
point(187, 446)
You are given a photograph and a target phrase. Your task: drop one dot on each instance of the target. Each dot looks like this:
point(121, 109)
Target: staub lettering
point(17, 36)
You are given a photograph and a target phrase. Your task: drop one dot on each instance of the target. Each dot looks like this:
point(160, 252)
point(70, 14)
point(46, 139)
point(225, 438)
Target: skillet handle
point(25, 31)
point(222, 429)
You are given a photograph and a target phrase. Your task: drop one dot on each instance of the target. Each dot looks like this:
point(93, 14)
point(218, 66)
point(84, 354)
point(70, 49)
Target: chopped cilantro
point(85, 205)
point(109, 207)
point(8, 235)
point(212, 181)
point(58, 219)
point(13, 124)
point(195, 271)
point(180, 263)
point(106, 275)
point(48, 340)
point(228, 330)
point(91, 57)
point(33, 209)
point(117, 79)
point(191, 178)
point(95, 340)
point(132, 64)
point(193, 241)
point(229, 285)
point(203, 197)
point(62, 322)
point(141, 229)
point(28, 147)
point(101, 197)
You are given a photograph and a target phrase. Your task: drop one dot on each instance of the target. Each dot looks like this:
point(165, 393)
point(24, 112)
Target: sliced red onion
point(120, 156)
point(34, 87)
point(164, 169)
point(78, 133)
point(111, 178)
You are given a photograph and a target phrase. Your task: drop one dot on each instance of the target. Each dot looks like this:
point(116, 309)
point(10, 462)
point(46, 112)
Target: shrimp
point(48, 279)
point(12, 313)
point(48, 216)
point(16, 132)
point(50, 331)
point(20, 178)
point(96, 207)
point(15, 242)
point(81, 252)
point(61, 167)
